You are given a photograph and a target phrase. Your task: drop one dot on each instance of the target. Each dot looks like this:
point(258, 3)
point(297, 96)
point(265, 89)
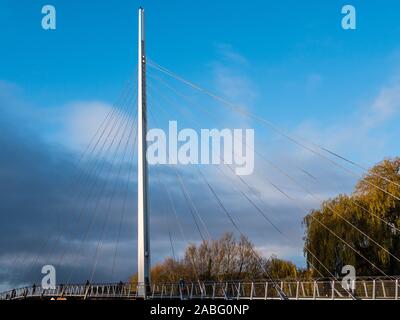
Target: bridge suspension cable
point(167, 223)
point(276, 286)
point(101, 157)
point(181, 229)
point(113, 194)
point(123, 210)
point(189, 200)
point(80, 180)
point(276, 187)
point(246, 113)
point(258, 209)
point(277, 167)
point(389, 224)
point(124, 124)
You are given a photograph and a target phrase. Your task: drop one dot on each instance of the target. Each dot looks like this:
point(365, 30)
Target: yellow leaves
point(370, 208)
point(221, 260)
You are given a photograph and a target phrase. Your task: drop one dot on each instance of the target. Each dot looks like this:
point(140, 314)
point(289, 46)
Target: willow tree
point(343, 230)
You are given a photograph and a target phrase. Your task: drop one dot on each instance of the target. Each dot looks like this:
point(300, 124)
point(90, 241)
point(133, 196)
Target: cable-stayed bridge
point(113, 145)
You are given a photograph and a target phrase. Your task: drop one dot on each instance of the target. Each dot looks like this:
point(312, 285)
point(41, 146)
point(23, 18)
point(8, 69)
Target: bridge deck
point(367, 289)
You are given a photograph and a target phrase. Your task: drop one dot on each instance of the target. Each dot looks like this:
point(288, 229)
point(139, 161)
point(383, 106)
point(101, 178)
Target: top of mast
point(141, 23)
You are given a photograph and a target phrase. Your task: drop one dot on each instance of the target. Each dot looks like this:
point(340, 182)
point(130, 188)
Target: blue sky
point(289, 61)
point(302, 64)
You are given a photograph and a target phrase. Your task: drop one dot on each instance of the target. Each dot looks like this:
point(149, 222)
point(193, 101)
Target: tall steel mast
point(143, 218)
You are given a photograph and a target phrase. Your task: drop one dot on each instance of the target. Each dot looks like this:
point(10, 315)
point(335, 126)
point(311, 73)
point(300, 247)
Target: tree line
point(224, 259)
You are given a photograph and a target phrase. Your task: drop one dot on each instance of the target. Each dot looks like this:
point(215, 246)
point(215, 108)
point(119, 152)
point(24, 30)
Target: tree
point(281, 269)
point(225, 259)
point(373, 210)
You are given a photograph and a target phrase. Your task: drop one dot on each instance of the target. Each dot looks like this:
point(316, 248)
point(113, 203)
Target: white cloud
point(385, 106)
point(230, 55)
point(357, 133)
point(71, 125)
point(230, 77)
point(81, 120)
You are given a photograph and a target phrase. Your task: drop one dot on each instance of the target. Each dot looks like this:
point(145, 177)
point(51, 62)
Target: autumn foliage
point(225, 259)
point(374, 209)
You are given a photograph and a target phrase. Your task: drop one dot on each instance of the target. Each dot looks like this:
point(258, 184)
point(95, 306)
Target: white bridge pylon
point(143, 247)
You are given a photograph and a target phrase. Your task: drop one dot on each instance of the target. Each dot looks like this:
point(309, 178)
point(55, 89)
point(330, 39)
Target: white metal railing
point(365, 289)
